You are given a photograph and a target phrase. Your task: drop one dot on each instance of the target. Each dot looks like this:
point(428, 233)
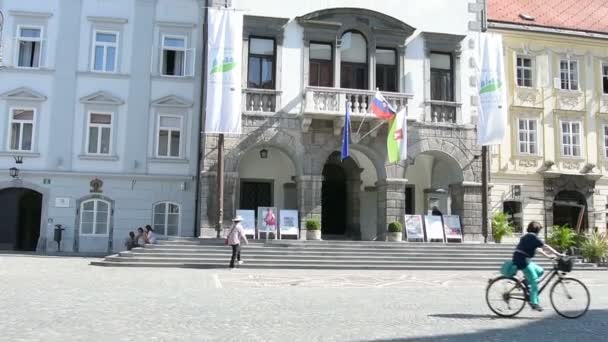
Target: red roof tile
point(578, 15)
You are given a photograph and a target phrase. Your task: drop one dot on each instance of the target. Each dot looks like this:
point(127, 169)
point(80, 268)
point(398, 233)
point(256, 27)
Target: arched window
point(353, 61)
point(166, 218)
point(95, 217)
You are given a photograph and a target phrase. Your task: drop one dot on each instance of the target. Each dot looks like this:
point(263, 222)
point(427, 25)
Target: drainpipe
point(200, 149)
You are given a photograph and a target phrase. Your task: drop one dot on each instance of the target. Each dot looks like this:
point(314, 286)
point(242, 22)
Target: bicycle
point(514, 292)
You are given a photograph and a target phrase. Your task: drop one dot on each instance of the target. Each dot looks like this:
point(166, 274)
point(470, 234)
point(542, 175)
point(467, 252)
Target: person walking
point(234, 238)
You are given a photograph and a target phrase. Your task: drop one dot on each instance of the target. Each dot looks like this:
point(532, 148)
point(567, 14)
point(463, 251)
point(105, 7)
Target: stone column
point(309, 199)
point(391, 203)
point(208, 203)
point(467, 198)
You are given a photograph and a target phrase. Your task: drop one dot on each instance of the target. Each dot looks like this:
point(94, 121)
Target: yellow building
point(555, 153)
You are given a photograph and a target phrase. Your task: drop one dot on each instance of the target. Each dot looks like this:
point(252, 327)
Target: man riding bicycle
point(525, 250)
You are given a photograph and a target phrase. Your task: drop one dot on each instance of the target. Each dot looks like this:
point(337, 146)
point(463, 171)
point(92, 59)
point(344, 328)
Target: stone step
point(354, 254)
point(312, 266)
point(306, 260)
point(339, 248)
point(335, 243)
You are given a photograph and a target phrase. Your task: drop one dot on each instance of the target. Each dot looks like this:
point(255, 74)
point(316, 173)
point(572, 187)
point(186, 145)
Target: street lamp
point(18, 159)
point(14, 172)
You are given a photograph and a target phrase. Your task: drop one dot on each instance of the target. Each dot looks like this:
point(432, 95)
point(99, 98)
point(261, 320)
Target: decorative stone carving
point(572, 165)
point(528, 163)
point(96, 185)
point(306, 122)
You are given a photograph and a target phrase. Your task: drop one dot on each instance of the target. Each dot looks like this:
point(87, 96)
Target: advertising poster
point(414, 227)
point(288, 223)
point(248, 221)
point(267, 221)
point(453, 230)
point(434, 228)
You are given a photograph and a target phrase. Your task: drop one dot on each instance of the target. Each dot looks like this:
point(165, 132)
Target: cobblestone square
point(65, 299)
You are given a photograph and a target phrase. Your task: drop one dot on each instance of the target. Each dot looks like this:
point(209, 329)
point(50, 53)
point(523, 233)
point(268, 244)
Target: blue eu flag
point(346, 132)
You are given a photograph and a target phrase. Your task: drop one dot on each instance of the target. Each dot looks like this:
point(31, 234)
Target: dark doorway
point(20, 219)
point(565, 214)
point(256, 194)
point(410, 207)
point(333, 200)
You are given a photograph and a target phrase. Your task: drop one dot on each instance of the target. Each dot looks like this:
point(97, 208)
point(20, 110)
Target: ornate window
point(22, 126)
point(568, 71)
point(99, 133)
point(95, 217)
point(321, 65)
point(353, 61)
point(261, 74)
point(528, 136)
point(571, 138)
point(386, 69)
point(442, 77)
point(166, 218)
point(524, 71)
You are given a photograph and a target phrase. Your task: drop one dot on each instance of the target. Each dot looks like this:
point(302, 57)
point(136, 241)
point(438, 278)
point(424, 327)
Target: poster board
point(288, 223)
point(433, 226)
point(453, 230)
point(414, 227)
point(267, 221)
point(248, 221)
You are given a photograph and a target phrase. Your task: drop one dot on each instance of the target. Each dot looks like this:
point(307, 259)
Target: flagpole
point(220, 184)
point(484, 157)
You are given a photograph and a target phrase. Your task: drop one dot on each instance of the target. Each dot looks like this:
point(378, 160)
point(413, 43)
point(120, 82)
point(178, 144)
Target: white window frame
point(19, 38)
point(10, 129)
point(170, 129)
point(604, 75)
point(105, 46)
point(580, 138)
point(171, 48)
point(100, 126)
point(95, 212)
point(523, 68)
point(528, 141)
point(605, 135)
point(569, 71)
point(179, 217)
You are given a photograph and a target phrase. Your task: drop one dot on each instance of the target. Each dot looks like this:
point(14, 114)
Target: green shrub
point(562, 238)
point(395, 227)
point(313, 224)
point(501, 227)
point(595, 247)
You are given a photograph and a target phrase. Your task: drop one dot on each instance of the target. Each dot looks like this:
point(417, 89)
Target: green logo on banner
point(490, 86)
point(227, 65)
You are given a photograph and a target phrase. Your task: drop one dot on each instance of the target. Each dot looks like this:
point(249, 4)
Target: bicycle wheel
point(570, 298)
point(505, 296)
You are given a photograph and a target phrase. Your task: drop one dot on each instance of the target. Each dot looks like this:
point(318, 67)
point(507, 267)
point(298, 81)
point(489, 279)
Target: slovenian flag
point(396, 141)
point(381, 108)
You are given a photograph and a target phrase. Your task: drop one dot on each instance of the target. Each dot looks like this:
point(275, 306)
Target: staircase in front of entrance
point(295, 254)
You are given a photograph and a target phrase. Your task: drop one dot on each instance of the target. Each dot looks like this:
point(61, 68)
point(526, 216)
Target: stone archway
point(21, 219)
point(340, 198)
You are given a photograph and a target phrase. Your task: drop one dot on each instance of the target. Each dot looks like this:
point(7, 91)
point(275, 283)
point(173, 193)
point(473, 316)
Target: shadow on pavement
point(470, 316)
point(591, 327)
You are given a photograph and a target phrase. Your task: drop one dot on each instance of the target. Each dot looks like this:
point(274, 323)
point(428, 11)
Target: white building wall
point(134, 177)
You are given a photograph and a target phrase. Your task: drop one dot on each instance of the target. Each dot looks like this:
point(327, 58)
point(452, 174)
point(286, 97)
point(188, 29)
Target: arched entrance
point(340, 198)
point(566, 209)
point(433, 179)
point(20, 218)
point(266, 179)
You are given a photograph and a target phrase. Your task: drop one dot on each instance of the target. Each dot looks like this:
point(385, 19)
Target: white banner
point(492, 120)
point(288, 223)
point(248, 221)
point(224, 48)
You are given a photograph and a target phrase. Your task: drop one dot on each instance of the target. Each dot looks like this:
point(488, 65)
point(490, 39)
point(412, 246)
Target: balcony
point(324, 102)
point(442, 111)
point(260, 101)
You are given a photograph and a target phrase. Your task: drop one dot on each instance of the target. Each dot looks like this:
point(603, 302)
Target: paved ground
point(65, 299)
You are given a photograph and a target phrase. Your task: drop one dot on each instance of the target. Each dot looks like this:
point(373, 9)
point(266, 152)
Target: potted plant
point(562, 238)
point(501, 227)
point(395, 231)
point(313, 229)
point(595, 247)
